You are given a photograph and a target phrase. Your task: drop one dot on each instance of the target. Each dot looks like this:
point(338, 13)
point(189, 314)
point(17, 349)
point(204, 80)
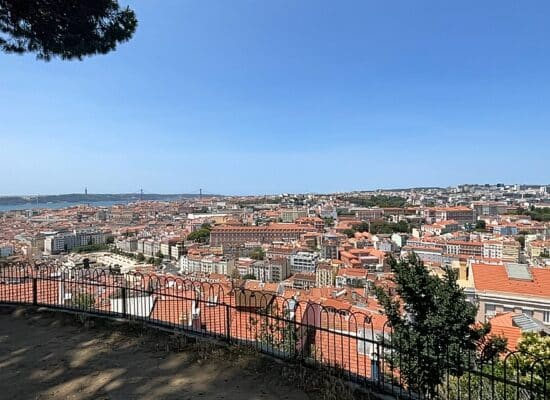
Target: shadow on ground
point(47, 355)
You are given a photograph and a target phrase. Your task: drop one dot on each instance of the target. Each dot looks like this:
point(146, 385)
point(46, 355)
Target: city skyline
point(198, 192)
point(254, 98)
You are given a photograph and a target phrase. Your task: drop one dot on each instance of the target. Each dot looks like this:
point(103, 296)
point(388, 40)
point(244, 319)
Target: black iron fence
point(354, 343)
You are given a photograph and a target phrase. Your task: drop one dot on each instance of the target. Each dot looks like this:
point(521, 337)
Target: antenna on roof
point(140, 194)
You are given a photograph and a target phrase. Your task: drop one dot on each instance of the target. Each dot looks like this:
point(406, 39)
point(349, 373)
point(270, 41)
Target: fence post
point(34, 291)
point(123, 295)
point(227, 323)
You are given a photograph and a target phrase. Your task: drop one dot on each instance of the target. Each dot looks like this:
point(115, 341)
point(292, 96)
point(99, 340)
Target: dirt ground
point(50, 356)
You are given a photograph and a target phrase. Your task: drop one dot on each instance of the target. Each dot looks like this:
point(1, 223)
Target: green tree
point(481, 225)
point(201, 235)
point(140, 257)
point(348, 232)
point(249, 276)
point(257, 254)
point(433, 326)
point(159, 254)
point(110, 240)
point(68, 29)
point(329, 221)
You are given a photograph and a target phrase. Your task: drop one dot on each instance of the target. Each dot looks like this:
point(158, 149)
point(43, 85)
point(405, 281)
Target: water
point(58, 205)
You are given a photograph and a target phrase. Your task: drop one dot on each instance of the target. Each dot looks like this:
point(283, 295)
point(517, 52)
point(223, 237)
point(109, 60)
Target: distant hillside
point(89, 198)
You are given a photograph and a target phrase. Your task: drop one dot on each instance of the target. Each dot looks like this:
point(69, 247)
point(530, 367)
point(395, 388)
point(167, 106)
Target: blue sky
point(288, 96)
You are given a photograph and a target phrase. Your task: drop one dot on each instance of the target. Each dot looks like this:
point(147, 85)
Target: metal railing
point(355, 345)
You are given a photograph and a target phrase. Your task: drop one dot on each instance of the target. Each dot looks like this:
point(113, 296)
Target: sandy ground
point(49, 356)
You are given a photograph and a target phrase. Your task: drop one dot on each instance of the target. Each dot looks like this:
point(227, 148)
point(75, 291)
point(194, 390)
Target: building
point(489, 208)
point(324, 275)
point(291, 215)
point(239, 235)
point(367, 214)
point(506, 249)
point(538, 248)
point(66, 241)
point(442, 227)
point(462, 215)
point(367, 258)
point(354, 277)
point(303, 262)
point(127, 245)
point(270, 271)
point(209, 264)
point(429, 255)
point(510, 288)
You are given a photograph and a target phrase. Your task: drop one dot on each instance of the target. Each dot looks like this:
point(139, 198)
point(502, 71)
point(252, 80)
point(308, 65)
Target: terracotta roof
point(494, 278)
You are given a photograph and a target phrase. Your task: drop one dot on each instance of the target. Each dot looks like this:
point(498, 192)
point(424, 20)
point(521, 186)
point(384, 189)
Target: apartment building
point(291, 215)
point(354, 277)
point(462, 215)
point(367, 214)
point(270, 271)
point(464, 248)
point(429, 255)
point(66, 241)
point(128, 245)
point(239, 235)
point(367, 258)
point(538, 248)
point(506, 249)
point(442, 227)
point(489, 208)
point(324, 275)
point(209, 264)
point(303, 262)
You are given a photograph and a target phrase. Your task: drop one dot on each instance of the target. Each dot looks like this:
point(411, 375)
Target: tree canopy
point(257, 253)
point(432, 317)
point(68, 29)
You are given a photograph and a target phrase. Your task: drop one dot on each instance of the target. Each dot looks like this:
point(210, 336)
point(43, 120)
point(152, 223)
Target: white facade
point(303, 262)
point(206, 265)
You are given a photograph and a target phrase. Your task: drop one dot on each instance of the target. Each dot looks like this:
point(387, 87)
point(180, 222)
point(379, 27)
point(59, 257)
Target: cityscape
point(270, 200)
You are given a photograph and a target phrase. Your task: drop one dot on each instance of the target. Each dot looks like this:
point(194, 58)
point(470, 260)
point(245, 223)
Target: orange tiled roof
point(494, 278)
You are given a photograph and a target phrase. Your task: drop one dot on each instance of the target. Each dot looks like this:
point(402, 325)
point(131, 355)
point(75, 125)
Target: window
point(490, 310)
point(546, 317)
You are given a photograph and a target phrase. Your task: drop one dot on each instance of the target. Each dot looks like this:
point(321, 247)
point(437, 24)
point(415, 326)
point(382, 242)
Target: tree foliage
point(433, 326)
point(377, 201)
point(201, 235)
point(68, 29)
point(257, 254)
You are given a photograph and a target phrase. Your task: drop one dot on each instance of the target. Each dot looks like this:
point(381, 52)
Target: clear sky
point(271, 96)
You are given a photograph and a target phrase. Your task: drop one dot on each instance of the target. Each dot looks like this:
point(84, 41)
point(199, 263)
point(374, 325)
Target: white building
point(303, 262)
point(207, 265)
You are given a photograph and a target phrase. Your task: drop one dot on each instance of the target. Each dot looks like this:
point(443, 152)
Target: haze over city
point(269, 97)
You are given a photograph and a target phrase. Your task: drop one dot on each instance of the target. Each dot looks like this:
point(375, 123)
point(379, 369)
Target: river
point(57, 205)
